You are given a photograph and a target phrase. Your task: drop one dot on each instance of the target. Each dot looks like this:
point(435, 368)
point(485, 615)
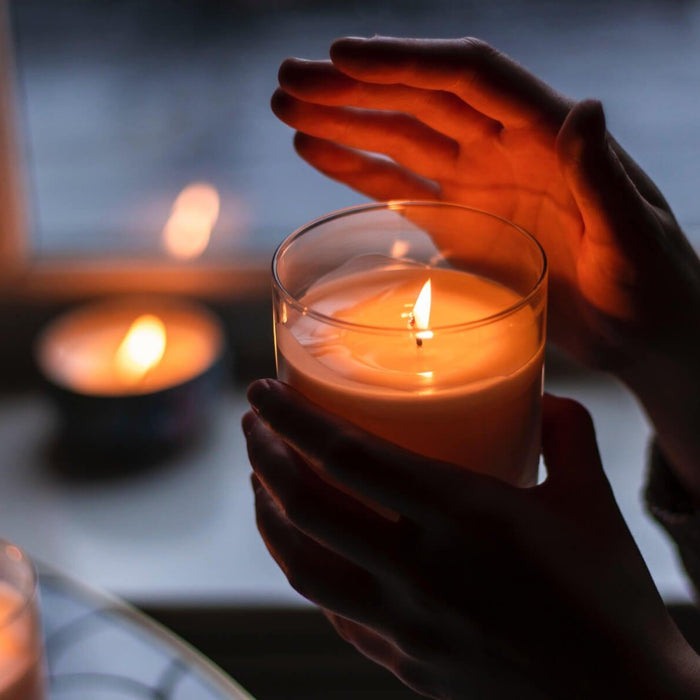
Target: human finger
point(399, 136)
point(322, 83)
point(374, 177)
point(375, 647)
point(318, 574)
point(612, 208)
point(481, 76)
point(369, 643)
point(391, 476)
point(320, 510)
point(569, 442)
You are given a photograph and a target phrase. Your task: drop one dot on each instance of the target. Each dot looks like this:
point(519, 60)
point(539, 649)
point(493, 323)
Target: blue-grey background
point(124, 103)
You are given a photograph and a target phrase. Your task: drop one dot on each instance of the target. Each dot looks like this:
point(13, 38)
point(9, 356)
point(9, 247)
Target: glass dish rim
point(395, 205)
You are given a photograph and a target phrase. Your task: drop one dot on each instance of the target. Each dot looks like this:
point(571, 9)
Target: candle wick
point(412, 324)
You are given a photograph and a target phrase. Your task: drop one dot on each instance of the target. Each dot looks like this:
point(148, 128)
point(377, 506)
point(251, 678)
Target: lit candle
point(374, 323)
point(126, 347)
point(465, 395)
point(132, 371)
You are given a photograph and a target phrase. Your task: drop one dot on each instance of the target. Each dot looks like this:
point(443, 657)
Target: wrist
point(667, 385)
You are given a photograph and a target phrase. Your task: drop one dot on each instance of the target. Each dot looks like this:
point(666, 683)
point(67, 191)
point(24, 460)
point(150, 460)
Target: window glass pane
point(127, 103)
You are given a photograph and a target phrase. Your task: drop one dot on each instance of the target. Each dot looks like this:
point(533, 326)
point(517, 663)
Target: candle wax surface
point(20, 649)
point(79, 350)
point(469, 395)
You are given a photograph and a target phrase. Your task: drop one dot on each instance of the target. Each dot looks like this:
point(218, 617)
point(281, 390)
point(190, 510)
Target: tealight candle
point(132, 372)
point(21, 667)
point(438, 359)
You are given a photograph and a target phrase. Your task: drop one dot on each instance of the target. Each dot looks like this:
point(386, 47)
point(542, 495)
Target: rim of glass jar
point(29, 596)
point(395, 205)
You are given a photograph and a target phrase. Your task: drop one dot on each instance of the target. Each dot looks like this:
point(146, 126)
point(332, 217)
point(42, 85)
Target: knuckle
point(478, 48)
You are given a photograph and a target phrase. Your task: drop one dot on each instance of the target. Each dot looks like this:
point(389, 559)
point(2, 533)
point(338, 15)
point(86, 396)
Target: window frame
point(36, 279)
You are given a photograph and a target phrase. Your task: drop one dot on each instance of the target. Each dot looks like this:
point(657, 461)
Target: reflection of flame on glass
point(194, 213)
point(420, 317)
point(399, 248)
point(142, 348)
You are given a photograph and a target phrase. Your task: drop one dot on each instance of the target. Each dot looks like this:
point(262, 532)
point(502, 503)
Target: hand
point(474, 581)
point(461, 122)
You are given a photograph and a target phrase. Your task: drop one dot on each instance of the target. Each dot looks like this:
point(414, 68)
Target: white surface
point(186, 531)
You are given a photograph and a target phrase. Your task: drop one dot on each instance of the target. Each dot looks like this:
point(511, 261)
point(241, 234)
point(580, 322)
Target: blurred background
point(126, 103)
point(129, 109)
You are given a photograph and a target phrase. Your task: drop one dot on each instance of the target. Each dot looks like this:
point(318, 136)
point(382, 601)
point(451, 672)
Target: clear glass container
point(423, 323)
point(21, 651)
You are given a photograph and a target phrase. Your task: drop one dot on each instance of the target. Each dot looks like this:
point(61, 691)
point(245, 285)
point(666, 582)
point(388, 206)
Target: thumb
point(568, 441)
point(610, 204)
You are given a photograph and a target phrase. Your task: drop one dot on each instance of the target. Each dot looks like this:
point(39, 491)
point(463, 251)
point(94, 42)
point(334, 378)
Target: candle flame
point(188, 230)
point(421, 313)
point(141, 349)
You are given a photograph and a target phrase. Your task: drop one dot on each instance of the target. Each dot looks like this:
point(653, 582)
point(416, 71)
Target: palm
point(518, 178)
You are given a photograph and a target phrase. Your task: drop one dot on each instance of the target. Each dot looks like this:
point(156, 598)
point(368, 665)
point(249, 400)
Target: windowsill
point(184, 533)
point(51, 280)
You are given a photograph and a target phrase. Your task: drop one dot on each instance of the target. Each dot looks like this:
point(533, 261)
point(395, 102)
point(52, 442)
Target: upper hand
point(473, 581)
point(461, 122)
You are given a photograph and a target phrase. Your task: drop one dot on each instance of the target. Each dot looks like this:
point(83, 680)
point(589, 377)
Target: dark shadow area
point(687, 617)
point(78, 465)
point(282, 654)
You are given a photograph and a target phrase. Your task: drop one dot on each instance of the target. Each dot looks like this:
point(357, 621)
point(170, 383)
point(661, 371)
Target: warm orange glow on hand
point(142, 348)
point(194, 213)
point(396, 119)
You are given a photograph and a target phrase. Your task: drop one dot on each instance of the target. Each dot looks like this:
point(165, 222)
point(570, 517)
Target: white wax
point(468, 395)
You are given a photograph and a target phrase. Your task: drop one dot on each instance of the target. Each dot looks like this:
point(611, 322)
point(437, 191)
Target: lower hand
point(474, 581)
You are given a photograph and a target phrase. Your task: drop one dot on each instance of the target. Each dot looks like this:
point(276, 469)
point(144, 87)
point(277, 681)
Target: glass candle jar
point(423, 323)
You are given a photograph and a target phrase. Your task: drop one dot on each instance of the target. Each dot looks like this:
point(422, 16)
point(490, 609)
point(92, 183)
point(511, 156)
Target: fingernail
point(359, 39)
point(347, 43)
point(259, 393)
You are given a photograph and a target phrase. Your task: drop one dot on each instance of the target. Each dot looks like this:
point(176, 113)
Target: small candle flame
point(142, 348)
point(420, 316)
point(188, 230)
